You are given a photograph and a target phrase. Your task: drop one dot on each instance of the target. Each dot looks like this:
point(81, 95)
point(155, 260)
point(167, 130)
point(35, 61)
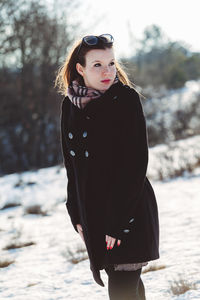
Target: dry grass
point(15, 245)
point(181, 286)
point(76, 255)
point(32, 284)
point(15, 242)
point(9, 205)
point(35, 209)
point(22, 183)
point(153, 267)
point(5, 263)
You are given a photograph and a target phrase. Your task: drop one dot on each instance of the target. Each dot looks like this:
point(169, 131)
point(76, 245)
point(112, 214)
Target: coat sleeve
point(130, 159)
point(71, 202)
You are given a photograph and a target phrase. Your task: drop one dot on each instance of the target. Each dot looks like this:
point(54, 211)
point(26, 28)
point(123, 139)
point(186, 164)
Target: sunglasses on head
point(93, 40)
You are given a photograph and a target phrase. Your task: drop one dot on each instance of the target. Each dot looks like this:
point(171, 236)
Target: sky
point(178, 19)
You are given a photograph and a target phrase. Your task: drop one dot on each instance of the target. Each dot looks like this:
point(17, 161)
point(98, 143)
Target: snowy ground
point(42, 271)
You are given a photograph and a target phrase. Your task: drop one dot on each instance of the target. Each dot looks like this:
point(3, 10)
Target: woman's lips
point(106, 81)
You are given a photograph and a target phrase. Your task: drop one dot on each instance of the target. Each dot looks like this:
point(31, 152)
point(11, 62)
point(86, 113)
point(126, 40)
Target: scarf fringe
point(82, 95)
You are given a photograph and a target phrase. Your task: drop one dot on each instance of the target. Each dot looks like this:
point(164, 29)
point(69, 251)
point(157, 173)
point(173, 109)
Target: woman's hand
point(80, 231)
point(111, 241)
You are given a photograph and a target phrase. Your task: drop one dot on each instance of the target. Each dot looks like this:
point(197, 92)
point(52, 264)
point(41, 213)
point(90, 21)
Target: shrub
point(15, 245)
point(77, 255)
point(181, 286)
point(35, 209)
point(153, 267)
point(6, 263)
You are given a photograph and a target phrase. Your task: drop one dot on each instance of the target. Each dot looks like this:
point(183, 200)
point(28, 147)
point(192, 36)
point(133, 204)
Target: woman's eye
point(112, 63)
point(97, 65)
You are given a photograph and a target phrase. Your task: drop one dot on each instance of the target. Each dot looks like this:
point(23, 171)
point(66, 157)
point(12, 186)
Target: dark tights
point(125, 285)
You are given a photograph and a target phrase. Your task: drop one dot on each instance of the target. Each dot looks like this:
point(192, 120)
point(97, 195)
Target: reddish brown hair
point(67, 72)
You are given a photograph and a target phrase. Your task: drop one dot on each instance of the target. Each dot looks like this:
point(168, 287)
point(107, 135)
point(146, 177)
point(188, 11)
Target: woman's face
point(100, 70)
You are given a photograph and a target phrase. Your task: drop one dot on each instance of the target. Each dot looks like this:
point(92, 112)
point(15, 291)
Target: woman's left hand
point(111, 241)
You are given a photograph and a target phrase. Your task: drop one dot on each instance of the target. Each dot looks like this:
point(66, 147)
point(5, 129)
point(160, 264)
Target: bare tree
point(33, 42)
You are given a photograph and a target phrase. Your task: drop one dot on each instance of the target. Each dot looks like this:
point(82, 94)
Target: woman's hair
point(67, 72)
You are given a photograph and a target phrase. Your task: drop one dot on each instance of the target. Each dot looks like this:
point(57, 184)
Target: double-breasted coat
point(105, 152)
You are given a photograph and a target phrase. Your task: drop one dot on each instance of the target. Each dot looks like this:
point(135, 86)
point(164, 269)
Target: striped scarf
point(81, 95)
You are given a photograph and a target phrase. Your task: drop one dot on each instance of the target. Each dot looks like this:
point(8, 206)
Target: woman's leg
point(141, 290)
point(125, 285)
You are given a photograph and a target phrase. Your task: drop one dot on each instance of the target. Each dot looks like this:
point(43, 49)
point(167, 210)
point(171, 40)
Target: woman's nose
point(106, 70)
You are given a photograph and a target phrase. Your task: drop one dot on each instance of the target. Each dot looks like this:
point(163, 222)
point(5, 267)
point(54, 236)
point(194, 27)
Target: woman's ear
point(79, 69)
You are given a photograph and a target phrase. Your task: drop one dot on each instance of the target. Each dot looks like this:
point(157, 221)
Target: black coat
point(105, 151)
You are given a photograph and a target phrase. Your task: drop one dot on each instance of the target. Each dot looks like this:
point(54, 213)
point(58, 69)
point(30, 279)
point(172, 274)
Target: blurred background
point(157, 43)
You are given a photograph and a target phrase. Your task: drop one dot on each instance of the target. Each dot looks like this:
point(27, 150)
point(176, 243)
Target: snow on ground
point(42, 271)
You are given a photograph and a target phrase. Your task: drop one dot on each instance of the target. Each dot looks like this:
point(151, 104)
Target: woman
point(110, 200)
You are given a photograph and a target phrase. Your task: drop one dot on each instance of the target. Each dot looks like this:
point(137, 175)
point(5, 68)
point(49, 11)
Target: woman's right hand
point(80, 231)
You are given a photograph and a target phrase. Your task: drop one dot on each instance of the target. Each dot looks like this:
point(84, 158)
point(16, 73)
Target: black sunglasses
point(93, 40)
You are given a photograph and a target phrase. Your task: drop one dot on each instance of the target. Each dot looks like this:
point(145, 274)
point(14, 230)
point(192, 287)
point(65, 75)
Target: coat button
point(115, 97)
point(70, 135)
point(72, 152)
point(131, 220)
point(84, 134)
point(86, 153)
point(126, 230)
point(87, 117)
